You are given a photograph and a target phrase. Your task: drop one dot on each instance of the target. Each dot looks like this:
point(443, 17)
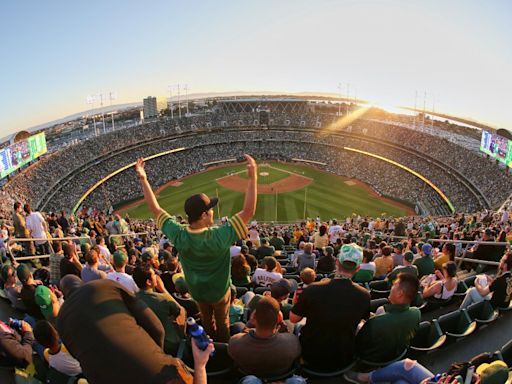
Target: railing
point(48, 240)
point(132, 235)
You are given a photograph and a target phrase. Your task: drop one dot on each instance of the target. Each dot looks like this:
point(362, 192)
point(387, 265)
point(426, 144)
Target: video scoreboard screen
point(18, 154)
point(497, 146)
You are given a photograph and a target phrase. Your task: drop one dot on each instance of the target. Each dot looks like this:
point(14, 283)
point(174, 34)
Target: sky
point(56, 53)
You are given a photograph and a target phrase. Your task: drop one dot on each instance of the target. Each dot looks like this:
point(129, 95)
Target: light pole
point(91, 99)
point(339, 101)
point(170, 101)
point(186, 97)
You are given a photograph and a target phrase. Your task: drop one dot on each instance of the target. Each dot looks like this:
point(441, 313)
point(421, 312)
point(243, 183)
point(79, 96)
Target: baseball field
point(286, 193)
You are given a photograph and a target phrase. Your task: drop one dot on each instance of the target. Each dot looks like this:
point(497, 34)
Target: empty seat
point(506, 353)
point(461, 289)
point(428, 337)
point(482, 312)
point(470, 281)
point(457, 324)
point(260, 290)
point(240, 291)
point(293, 277)
point(506, 309)
point(379, 289)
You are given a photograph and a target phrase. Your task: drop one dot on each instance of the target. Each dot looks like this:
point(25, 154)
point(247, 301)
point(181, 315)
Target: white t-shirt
point(334, 233)
point(368, 266)
point(63, 362)
point(235, 250)
point(263, 278)
point(124, 279)
point(36, 225)
point(105, 253)
point(254, 235)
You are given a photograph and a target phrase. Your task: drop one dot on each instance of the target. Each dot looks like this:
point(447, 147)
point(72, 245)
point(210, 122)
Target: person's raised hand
point(251, 166)
point(139, 168)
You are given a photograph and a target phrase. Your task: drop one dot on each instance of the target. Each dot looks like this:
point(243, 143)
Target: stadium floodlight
point(91, 99)
point(507, 134)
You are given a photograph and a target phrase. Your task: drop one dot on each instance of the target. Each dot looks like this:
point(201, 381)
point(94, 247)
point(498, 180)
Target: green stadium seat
point(428, 338)
point(314, 372)
point(482, 312)
point(379, 289)
point(363, 364)
point(293, 277)
point(457, 324)
point(220, 364)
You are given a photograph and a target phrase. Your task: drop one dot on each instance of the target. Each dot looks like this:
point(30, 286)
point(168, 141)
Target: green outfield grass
point(328, 196)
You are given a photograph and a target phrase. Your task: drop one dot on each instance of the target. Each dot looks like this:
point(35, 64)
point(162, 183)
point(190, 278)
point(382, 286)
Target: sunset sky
point(55, 53)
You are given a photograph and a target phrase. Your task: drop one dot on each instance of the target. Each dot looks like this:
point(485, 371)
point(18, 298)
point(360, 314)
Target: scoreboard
point(18, 154)
point(497, 147)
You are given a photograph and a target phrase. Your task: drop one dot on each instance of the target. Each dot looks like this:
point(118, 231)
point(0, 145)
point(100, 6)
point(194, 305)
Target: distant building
point(153, 106)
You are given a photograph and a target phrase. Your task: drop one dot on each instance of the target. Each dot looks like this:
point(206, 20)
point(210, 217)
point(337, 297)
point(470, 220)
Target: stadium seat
point(314, 372)
point(506, 309)
point(220, 364)
point(379, 289)
point(319, 276)
point(293, 277)
point(428, 338)
point(506, 353)
point(260, 290)
point(432, 303)
point(470, 281)
point(461, 289)
point(272, 379)
point(283, 262)
point(457, 324)
point(376, 303)
point(240, 291)
point(289, 269)
point(482, 312)
point(55, 377)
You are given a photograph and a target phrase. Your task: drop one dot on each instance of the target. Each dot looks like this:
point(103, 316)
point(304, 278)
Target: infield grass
point(328, 196)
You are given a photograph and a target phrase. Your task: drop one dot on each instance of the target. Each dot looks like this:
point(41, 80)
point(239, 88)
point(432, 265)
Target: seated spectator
point(446, 284)
point(28, 291)
point(297, 253)
point(386, 336)
point(327, 263)
point(120, 259)
point(367, 268)
point(448, 254)
point(236, 309)
point(48, 302)
point(398, 257)
point(264, 249)
point(70, 265)
point(497, 290)
point(55, 353)
point(240, 271)
point(183, 296)
point(425, 263)
point(11, 289)
point(170, 313)
point(91, 272)
point(307, 277)
point(337, 301)
point(105, 257)
point(169, 268)
point(263, 351)
point(276, 241)
point(132, 351)
point(407, 267)
point(384, 263)
point(15, 350)
point(265, 277)
point(252, 261)
point(307, 258)
point(281, 291)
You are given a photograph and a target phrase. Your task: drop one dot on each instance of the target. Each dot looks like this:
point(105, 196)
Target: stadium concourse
point(105, 298)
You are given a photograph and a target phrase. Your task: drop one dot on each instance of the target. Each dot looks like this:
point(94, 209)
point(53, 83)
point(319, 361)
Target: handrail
point(49, 240)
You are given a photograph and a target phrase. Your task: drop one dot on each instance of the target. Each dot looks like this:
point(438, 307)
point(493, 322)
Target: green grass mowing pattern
point(328, 196)
point(273, 175)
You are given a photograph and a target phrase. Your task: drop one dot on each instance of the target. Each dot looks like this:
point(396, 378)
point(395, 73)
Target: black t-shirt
point(116, 337)
point(68, 268)
point(502, 288)
point(326, 264)
point(167, 280)
point(333, 310)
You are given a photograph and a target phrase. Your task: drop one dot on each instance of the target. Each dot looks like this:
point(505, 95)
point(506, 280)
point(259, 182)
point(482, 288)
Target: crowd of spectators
point(79, 166)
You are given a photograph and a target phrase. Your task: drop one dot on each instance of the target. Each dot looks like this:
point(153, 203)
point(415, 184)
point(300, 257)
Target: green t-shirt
point(277, 243)
point(166, 309)
point(204, 255)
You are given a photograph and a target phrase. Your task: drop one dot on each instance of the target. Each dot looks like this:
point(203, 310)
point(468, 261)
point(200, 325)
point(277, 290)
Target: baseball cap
point(494, 373)
point(23, 272)
point(181, 285)
point(409, 256)
point(427, 249)
point(43, 299)
point(195, 205)
point(350, 256)
point(288, 285)
point(177, 276)
point(119, 258)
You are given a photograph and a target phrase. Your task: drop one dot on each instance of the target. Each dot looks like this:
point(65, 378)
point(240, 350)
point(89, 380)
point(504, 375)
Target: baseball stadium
point(253, 236)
